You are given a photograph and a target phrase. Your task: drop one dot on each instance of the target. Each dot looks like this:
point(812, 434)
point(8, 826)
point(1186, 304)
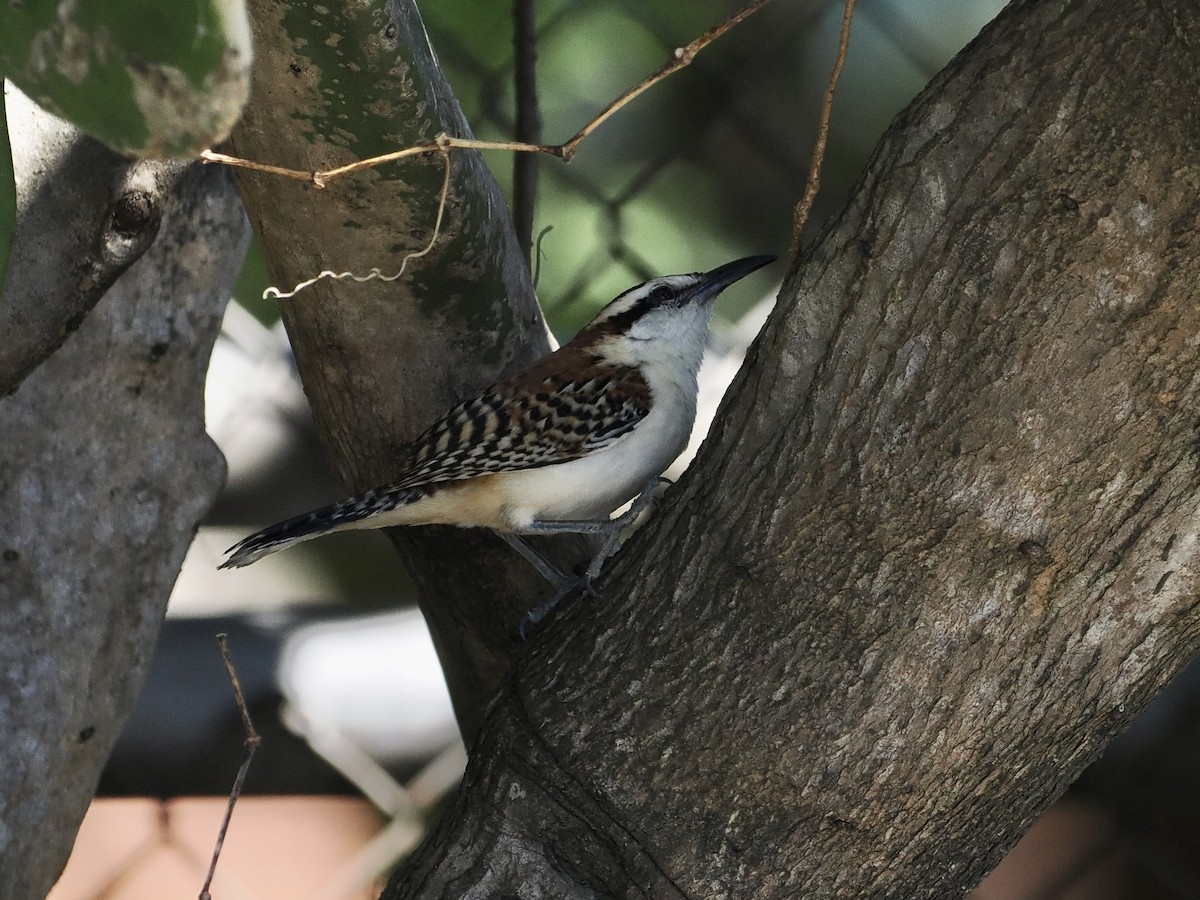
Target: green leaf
point(8, 194)
point(147, 77)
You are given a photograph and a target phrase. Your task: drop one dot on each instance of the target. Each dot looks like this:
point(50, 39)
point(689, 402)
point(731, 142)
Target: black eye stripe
point(623, 321)
point(659, 296)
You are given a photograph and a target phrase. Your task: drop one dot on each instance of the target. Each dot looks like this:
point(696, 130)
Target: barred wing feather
point(514, 427)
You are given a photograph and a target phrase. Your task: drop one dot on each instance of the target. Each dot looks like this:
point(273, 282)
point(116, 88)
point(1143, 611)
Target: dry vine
point(444, 143)
point(251, 742)
point(682, 58)
point(813, 184)
point(374, 273)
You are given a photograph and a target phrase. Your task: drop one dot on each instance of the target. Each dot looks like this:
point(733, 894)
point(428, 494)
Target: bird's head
point(673, 310)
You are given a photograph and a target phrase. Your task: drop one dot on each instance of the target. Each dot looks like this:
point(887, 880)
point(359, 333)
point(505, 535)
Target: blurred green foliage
point(707, 165)
point(145, 77)
point(252, 281)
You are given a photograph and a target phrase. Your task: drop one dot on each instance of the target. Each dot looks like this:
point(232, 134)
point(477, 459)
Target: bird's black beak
point(712, 283)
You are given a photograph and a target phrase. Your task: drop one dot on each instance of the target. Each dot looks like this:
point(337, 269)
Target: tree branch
point(942, 544)
point(680, 59)
point(105, 471)
point(86, 214)
point(380, 360)
point(813, 184)
point(528, 121)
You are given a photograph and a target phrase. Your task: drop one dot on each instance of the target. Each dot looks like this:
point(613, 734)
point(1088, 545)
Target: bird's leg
point(542, 610)
point(610, 528)
point(612, 539)
point(545, 568)
point(563, 584)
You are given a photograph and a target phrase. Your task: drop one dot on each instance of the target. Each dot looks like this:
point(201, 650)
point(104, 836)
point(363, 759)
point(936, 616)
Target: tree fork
point(381, 360)
point(941, 545)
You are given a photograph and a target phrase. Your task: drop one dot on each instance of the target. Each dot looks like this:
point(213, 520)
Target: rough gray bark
point(108, 206)
point(105, 471)
point(381, 361)
point(942, 545)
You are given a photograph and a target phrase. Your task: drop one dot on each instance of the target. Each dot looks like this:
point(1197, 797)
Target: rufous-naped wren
point(557, 447)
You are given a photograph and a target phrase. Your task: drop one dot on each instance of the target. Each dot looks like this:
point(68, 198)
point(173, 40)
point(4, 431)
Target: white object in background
point(252, 398)
point(374, 680)
point(722, 359)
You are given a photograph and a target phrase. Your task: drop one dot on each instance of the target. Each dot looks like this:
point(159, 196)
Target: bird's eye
point(660, 294)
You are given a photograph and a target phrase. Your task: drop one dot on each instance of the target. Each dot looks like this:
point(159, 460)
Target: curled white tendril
point(374, 274)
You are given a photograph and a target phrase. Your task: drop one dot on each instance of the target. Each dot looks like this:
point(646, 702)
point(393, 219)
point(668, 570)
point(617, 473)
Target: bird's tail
point(347, 514)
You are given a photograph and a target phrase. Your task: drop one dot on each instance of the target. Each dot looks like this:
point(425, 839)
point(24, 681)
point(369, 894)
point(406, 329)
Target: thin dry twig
point(682, 57)
point(813, 184)
point(252, 743)
point(443, 143)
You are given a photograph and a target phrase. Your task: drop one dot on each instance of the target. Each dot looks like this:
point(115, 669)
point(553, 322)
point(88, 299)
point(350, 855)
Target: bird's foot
point(613, 530)
point(567, 588)
point(610, 530)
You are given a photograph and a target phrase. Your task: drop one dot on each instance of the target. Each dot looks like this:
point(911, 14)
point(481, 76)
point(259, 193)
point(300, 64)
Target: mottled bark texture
point(942, 545)
point(85, 216)
point(381, 361)
point(105, 471)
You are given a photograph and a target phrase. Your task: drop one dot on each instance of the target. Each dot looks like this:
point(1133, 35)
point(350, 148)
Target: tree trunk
point(76, 235)
point(941, 545)
point(381, 361)
point(105, 469)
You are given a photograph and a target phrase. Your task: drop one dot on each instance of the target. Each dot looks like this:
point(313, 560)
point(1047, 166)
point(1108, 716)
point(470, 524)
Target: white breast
point(592, 487)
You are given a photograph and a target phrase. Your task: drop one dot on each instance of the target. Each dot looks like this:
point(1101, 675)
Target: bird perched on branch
point(559, 446)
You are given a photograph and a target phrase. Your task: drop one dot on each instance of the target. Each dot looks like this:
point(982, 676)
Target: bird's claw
point(587, 582)
point(572, 585)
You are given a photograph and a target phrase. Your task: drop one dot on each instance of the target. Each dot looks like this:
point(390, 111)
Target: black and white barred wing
point(516, 425)
point(519, 426)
